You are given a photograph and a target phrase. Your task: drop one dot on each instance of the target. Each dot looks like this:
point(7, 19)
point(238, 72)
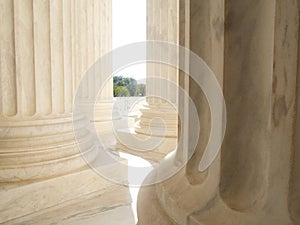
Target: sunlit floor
point(111, 206)
point(120, 214)
point(123, 214)
point(134, 161)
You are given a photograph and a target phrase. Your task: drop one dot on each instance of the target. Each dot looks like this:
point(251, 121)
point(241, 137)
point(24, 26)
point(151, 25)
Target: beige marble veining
point(252, 47)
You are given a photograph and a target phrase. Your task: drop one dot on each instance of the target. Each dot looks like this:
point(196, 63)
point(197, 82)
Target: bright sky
point(128, 26)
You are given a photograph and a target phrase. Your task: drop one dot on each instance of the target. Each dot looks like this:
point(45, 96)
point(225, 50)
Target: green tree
point(140, 90)
point(131, 85)
point(125, 82)
point(119, 81)
point(121, 91)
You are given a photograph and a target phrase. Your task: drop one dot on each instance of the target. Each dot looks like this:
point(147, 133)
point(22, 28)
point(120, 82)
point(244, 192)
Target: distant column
point(159, 115)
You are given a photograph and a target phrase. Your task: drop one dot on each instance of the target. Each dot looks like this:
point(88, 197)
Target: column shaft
point(91, 43)
point(67, 57)
point(256, 61)
point(37, 139)
point(248, 90)
point(158, 115)
point(57, 63)
point(24, 53)
point(8, 92)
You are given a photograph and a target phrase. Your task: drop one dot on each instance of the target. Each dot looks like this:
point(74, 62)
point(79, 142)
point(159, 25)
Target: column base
point(162, 146)
point(104, 118)
point(149, 208)
point(217, 212)
point(157, 119)
point(38, 148)
point(154, 135)
point(104, 115)
point(178, 203)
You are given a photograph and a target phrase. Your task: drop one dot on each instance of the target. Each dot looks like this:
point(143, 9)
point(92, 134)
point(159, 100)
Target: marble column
point(190, 189)
point(96, 42)
point(103, 111)
point(158, 114)
point(253, 49)
point(36, 66)
point(162, 81)
point(45, 47)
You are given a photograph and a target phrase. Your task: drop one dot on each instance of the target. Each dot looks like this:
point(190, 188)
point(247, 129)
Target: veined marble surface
point(106, 208)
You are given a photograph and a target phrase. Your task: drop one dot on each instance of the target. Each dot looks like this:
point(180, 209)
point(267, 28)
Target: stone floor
point(54, 202)
point(110, 207)
point(92, 211)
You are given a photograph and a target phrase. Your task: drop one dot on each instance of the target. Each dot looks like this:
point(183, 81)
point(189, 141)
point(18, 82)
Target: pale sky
point(128, 26)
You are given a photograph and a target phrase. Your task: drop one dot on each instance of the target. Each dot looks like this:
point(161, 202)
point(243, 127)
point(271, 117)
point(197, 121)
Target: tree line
point(127, 86)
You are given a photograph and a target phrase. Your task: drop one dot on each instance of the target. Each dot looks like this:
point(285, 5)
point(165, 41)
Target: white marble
point(110, 205)
point(253, 49)
point(45, 48)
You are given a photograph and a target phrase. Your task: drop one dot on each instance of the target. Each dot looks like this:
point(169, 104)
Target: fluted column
point(103, 111)
point(158, 115)
point(254, 179)
point(161, 78)
point(36, 67)
point(95, 19)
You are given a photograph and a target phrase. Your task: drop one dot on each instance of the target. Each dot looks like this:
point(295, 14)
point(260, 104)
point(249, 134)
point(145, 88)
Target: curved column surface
point(254, 179)
point(37, 61)
point(34, 148)
point(158, 118)
point(154, 134)
point(97, 20)
point(190, 190)
point(261, 146)
point(294, 196)
point(249, 150)
point(294, 188)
